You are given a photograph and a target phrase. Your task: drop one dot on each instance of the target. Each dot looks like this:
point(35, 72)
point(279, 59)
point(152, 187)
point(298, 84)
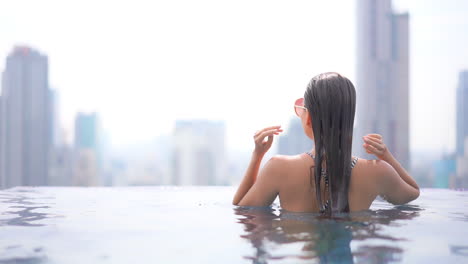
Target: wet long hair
point(331, 101)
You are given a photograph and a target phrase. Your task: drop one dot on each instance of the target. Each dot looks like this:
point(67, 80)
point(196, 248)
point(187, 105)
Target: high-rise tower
point(382, 83)
point(462, 112)
point(25, 116)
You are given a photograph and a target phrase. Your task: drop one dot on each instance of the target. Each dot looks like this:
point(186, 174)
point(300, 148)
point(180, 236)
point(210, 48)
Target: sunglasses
point(299, 106)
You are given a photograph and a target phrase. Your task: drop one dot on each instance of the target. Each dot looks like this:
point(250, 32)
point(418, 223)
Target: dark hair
point(331, 101)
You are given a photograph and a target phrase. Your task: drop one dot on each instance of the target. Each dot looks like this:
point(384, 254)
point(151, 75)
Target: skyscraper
point(199, 153)
point(54, 130)
point(86, 164)
point(445, 172)
point(462, 131)
point(25, 136)
point(86, 131)
point(462, 112)
point(295, 141)
point(382, 83)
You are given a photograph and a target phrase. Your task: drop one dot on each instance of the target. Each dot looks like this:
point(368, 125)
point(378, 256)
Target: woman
point(327, 179)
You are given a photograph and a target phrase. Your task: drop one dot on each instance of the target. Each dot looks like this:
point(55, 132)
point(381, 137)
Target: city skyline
point(169, 101)
point(199, 153)
point(382, 80)
point(196, 147)
point(89, 69)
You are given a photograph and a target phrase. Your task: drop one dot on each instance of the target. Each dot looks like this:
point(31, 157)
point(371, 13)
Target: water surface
point(199, 225)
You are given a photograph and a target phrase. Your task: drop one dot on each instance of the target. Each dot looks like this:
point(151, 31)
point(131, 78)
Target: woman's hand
point(262, 145)
point(265, 191)
point(374, 145)
point(395, 191)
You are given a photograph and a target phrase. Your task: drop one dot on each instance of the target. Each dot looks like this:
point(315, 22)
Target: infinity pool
point(199, 225)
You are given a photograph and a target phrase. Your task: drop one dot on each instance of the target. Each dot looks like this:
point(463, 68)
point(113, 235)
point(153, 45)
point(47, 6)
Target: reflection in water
point(26, 215)
point(378, 254)
point(459, 250)
point(24, 260)
point(18, 254)
point(21, 210)
point(279, 234)
point(460, 216)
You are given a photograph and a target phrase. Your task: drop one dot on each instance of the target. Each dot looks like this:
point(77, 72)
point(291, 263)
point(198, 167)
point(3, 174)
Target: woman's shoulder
point(368, 175)
point(365, 166)
point(374, 163)
point(286, 163)
point(373, 167)
point(283, 160)
point(287, 158)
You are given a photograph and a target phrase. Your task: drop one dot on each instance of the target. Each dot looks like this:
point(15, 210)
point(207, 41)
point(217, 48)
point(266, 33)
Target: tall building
point(461, 179)
point(382, 81)
point(444, 172)
point(86, 131)
point(2, 176)
point(462, 112)
point(61, 166)
point(295, 141)
point(199, 153)
point(462, 130)
point(55, 133)
point(61, 154)
point(86, 158)
point(25, 116)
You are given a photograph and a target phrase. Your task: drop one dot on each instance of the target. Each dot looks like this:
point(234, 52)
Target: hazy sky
point(142, 64)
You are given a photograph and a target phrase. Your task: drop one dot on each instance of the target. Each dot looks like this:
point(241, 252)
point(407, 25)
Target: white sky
point(142, 64)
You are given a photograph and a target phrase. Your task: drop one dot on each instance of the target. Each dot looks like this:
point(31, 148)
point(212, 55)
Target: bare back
point(297, 191)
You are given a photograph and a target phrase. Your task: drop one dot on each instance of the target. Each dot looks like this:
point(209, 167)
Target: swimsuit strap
point(325, 176)
point(353, 163)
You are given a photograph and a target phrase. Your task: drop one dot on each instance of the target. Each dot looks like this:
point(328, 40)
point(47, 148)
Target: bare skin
point(289, 176)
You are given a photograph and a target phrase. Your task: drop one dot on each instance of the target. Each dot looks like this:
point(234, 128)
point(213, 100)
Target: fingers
point(375, 143)
point(266, 128)
point(378, 136)
point(370, 139)
point(260, 136)
point(371, 149)
point(262, 146)
point(270, 140)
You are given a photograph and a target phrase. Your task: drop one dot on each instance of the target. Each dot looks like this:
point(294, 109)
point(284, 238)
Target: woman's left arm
point(259, 192)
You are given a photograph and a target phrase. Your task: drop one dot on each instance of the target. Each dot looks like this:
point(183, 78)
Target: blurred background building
point(61, 166)
point(294, 141)
point(382, 77)
point(199, 153)
point(461, 162)
point(462, 130)
point(143, 163)
point(86, 158)
point(444, 172)
point(25, 135)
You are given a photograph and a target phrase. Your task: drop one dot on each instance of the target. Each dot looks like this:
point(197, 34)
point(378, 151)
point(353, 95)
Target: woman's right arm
point(396, 185)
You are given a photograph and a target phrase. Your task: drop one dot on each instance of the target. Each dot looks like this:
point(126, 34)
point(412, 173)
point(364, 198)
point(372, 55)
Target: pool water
point(169, 224)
